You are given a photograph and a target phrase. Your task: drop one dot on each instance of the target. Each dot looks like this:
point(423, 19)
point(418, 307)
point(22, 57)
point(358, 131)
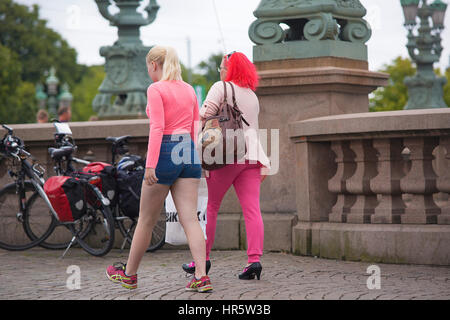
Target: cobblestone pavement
point(40, 274)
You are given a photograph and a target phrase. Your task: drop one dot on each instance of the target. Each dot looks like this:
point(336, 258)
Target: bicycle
point(97, 241)
point(97, 213)
point(125, 224)
point(61, 236)
point(23, 203)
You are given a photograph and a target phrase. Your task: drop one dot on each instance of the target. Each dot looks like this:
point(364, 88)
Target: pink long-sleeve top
point(172, 108)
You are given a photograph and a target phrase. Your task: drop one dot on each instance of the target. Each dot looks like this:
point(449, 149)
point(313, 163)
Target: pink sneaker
point(200, 285)
point(116, 273)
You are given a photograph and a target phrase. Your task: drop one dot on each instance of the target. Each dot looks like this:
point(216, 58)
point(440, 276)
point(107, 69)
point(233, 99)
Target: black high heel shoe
point(251, 271)
point(190, 267)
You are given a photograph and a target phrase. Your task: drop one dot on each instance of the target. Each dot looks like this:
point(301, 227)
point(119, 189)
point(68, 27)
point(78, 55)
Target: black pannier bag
point(67, 196)
point(129, 184)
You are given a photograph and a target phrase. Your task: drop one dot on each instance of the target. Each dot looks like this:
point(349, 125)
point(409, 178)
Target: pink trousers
point(246, 179)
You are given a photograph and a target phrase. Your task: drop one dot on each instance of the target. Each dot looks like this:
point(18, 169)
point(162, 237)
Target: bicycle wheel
point(100, 238)
point(38, 219)
point(128, 225)
point(60, 236)
point(12, 232)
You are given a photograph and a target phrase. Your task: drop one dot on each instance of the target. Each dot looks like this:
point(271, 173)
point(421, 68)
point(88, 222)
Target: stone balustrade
point(376, 169)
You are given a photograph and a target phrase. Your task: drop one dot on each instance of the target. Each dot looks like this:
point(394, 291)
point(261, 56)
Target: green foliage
point(85, 92)
point(37, 47)
point(447, 87)
point(209, 67)
point(395, 95)
point(28, 48)
point(208, 74)
point(17, 103)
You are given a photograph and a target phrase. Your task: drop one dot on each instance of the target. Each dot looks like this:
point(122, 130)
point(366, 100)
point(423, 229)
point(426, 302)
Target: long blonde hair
point(167, 58)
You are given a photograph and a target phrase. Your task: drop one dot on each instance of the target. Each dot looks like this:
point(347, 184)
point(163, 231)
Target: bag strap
point(234, 96)
point(235, 106)
point(224, 92)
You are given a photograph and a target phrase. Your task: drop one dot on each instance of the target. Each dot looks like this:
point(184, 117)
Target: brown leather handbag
point(222, 138)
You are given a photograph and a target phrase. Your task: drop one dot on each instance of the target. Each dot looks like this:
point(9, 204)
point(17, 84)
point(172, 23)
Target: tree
point(395, 95)
point(209, 67)
point(28, 48)
point(447, 87)
point(37, 47)
point(85, 92)
point(16, 96)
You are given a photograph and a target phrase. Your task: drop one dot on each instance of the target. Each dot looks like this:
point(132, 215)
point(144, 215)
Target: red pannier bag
point(66, 194)
point(107, 184)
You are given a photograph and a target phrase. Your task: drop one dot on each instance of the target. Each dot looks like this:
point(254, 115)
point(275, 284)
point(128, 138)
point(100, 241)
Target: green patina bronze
point(53, 95)
point(316, 28)
point(425, 89)
point(123, 91)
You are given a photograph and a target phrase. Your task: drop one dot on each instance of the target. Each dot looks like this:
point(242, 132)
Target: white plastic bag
point(175, 234)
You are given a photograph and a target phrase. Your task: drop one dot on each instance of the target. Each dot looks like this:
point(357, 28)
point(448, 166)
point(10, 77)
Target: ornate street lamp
point(126, 73)
point(65, 98)
point(41, 96)
point(425, 88)
point(55, 96)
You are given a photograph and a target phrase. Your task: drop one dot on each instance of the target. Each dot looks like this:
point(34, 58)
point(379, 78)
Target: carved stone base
point(393, 243)
point(123, 92)
point(341, 208)
point(389, 210)
point(425, 92)
point(421, 210)
point(444, 217)
point(362, 209)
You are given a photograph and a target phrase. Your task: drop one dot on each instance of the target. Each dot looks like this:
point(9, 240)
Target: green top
point(439, 5)
point(271, 8)
point(409, 2)
point(65, 94)
point(52, 78)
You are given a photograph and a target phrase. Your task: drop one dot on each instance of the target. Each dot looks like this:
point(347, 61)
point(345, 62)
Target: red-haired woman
point(247, 174)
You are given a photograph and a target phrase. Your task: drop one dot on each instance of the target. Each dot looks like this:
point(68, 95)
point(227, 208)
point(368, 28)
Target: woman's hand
point(150, 176)
point(264, 172)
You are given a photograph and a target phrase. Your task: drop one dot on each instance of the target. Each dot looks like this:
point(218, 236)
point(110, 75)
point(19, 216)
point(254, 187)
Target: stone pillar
point(345, 169)
point(420, 182)
point(443, 182)
point(317, 67)
point(359, 183)
point(387, 182)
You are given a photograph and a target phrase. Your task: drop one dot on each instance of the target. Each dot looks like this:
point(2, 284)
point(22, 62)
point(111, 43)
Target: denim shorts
point(178, 158)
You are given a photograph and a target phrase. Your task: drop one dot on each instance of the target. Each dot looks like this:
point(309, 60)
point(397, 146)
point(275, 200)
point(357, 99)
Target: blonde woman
point(172, 164)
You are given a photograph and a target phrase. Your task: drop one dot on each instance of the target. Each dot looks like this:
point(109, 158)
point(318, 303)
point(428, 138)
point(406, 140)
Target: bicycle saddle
point(58, 153)
point(117, 140)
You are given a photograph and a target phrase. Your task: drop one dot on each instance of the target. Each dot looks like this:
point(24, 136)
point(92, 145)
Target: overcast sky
point(80, 23)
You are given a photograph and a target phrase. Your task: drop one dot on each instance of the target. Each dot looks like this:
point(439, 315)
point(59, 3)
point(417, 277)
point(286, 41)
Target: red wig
point(241, 71)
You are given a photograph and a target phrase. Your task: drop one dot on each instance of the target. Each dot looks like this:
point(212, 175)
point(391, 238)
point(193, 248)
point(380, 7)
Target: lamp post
point(425, 88)
point(122, 93)
point(55, 96)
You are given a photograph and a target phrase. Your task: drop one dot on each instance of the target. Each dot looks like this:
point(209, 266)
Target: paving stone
point(40, 274)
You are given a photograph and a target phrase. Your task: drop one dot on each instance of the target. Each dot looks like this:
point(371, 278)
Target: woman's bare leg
point(185, 195)
point(152, 202)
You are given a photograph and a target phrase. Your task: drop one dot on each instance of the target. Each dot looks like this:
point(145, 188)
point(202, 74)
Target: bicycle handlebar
point(12, 145)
